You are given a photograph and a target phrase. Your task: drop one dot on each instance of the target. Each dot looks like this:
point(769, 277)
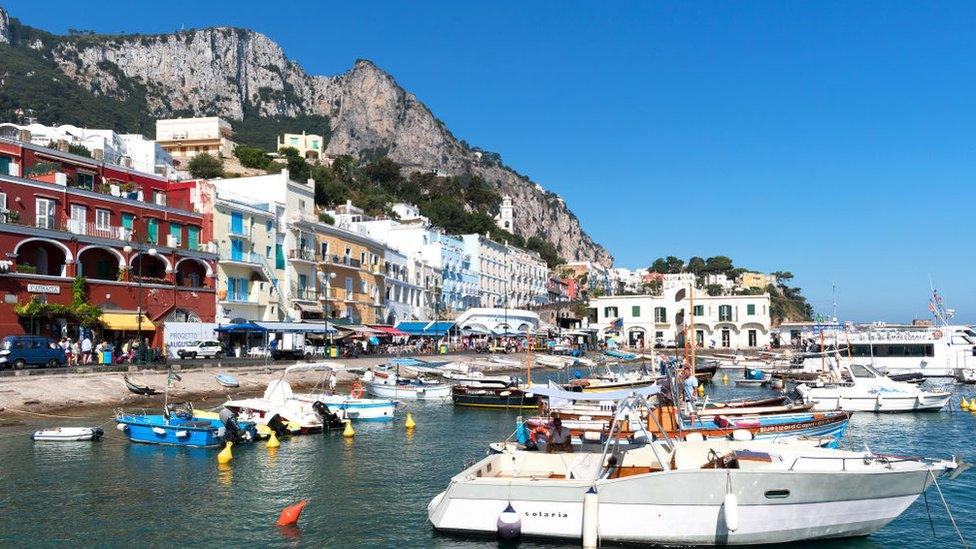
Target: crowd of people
point(84, 351)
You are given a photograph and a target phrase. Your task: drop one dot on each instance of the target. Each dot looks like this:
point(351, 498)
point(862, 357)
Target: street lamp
point(325, 278)
point(152, 252)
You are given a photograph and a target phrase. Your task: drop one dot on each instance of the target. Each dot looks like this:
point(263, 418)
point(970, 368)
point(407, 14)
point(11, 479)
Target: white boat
point(862, 388)
point(966, 375)
point(68, 434)
point(931, 351)
point(554, 361)
point(355, 409)
point(387, 384)
point(505, 361)
point(695, 492)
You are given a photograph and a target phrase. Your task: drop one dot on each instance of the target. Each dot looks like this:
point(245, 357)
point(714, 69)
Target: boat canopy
point(555, 392)
point(425, 328)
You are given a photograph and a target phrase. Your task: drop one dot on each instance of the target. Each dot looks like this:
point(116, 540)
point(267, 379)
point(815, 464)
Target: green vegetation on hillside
point(786, 302)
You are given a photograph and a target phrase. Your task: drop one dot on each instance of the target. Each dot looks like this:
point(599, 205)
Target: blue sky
point(830, 139)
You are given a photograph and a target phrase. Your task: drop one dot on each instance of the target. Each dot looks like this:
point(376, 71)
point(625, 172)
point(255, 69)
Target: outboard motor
point(278, 426)
point(330, 420)
point(232, 431)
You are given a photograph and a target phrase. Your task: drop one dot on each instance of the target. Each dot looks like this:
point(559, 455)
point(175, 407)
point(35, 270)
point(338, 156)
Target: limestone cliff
point(237, 73)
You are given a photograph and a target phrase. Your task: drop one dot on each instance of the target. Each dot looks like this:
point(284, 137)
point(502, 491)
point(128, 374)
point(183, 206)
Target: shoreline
point(48, 395)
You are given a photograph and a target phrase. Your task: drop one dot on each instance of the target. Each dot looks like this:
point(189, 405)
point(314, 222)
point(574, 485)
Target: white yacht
point(862, 388)
point(694, 492)
point(932, 351)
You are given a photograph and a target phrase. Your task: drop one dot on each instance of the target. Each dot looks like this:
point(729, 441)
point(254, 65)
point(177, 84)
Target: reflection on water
point(368, 491)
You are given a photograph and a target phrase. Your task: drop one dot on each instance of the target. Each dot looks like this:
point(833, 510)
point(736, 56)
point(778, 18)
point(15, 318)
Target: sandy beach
point(50, 394)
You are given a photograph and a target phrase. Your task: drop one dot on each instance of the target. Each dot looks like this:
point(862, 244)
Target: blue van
point(20, 351)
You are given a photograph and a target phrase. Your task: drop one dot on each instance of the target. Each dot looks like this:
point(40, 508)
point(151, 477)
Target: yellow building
point(184, 138)
point(754, 280)
point(308, 145)
point(352, 265)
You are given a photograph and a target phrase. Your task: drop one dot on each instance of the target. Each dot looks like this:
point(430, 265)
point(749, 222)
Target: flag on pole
point(617, 324)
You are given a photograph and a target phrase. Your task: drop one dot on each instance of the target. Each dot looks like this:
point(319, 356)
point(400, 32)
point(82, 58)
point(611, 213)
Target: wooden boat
point(749, 402)
point(493, 393)
point(143, 390)
point(227, 380)
point(68, 434)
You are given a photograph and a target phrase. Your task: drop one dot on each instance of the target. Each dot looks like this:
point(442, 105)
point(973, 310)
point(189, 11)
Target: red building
point(138, 246)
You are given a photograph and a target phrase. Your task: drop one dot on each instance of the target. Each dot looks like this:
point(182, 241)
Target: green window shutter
point(750, 309)
point(4, 165)
point(176, 231)
point(635, 311)
point(279, 257)
point(102, 268)
point(152, 231)
point(127, 221)
point(192, 237)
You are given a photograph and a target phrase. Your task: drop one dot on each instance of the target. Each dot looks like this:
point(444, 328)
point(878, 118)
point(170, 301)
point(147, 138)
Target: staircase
point(276, 288)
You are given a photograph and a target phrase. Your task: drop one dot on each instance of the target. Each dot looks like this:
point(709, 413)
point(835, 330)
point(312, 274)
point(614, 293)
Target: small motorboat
point(227, 380)
point(389, 385)
point(178, 426)
point(68, 434)
point(143, 390)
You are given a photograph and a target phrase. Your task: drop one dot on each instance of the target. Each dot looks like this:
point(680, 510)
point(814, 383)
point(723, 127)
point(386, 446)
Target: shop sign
point(43, 289)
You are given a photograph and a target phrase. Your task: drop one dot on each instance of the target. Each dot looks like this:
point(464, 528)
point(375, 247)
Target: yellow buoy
point(701, 390)
point(725, 379)
point(273, 441)
point(263, 430)
point(294, 427)
point(349, 432)
point(963, 404)
point(410, 423)
point(225, 455)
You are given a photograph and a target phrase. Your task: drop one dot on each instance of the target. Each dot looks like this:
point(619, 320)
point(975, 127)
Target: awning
point(127, 321)
point(240, 328)
point(298, 327)
point(364, 330)
point(310, 307)
point(387, 330)
point(425, 328)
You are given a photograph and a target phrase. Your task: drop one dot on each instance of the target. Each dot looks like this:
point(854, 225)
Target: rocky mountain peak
point(4, 26)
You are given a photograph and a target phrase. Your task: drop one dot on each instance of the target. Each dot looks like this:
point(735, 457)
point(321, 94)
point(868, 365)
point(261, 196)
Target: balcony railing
point(241, 257)
point(304, 293)
point(79, 227)
point(243, 231)
point(303, 255)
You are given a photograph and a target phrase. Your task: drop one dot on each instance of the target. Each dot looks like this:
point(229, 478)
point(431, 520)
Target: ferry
point(942, 351)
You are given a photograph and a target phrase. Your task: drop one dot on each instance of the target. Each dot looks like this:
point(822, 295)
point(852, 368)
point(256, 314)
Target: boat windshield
point(960, 339)
point(863, 371)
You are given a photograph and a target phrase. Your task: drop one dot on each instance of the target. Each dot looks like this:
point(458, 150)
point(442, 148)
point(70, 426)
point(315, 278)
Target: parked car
point(21, 351)
point(207, 348)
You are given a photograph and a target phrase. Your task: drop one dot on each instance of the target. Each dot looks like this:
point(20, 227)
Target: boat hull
point(686, 508)
point(359, 409)
point(408, 392)
point(193, 433)
point(517, 401)
point(885, 404)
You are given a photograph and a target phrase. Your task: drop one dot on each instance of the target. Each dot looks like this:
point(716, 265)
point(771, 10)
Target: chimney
point(126, 161)
point(24, 135)
point(62, 145)
point(98, 154)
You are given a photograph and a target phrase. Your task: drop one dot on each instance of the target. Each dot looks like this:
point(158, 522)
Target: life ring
point(937, 334)
point(357, 390)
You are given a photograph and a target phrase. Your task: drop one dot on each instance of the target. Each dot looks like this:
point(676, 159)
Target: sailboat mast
point(691, 330)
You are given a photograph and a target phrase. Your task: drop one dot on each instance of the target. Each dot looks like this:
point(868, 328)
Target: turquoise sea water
point(369, 492)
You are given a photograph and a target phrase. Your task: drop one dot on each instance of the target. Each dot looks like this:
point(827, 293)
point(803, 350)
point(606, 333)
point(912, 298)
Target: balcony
point(307, 255)
point(301, 293)
point(79, 227)
point(249, 258)
point(243, 231)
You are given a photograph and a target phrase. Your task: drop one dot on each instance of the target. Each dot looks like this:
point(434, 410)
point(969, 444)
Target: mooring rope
point(948, 511)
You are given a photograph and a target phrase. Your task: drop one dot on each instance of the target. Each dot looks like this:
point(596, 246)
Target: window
point(127, 220)
point(192, 237)
point(3, 200)
point(660, 315)
point(293, 140)
point(79, 215)
point(176, 231)
point(302, 283)
point(152, 231)
point(362, 287)
point(5, 165)
point(610, 312)
point(635, 311)
point(237, 289)
point(698, 310)
point(751, 310)
point(269, 225)
point(279, 256)
point(267, 252)
point(348, 287)
point(362, 258)
point(725, 314)
point(86, 180)
point(324, 249)
point(103, 219)
point(752, 337)
point(236, 223)
point(45, 213)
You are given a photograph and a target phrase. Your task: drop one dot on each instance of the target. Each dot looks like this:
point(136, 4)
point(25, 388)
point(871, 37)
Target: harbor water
point(371, 491)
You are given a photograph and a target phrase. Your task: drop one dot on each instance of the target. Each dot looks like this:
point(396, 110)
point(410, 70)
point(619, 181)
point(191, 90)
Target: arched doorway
point(182, 315)
point(192, 273)
point(636, 337)
point(149, 268)
point(99, 263)
point(43, 257)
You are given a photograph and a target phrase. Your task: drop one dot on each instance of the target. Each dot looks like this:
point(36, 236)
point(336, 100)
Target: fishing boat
point(493, 393)
point(68, 434)
point(862, 388)
point(688, 492)
point(177, 426)
point(389, 384)
point(135, 388)
point(611, 380)
point(227, 380)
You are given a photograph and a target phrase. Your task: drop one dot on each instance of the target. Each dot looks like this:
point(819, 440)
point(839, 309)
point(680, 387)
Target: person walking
point(86, 350)
point(75, 353)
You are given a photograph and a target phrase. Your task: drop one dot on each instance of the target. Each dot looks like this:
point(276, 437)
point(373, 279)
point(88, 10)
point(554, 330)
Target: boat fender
point(730, 510)
point(504, 393)
point(920, 399)
point(529, 395)
point(159, 431)
point(880, 401)
point(182, 434)
point(741, 435)
point(591, 519)
point(509, 525)
point(122, 427)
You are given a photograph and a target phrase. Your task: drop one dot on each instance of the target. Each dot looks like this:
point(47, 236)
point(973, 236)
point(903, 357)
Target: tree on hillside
point(714, 289)
point(696, 265)
point(660, 265)
point(80, 150)
point(205, 166)
point(298, 168)
point(783, 276)
point(252, 157)
point(675, 264)
point(718, 264)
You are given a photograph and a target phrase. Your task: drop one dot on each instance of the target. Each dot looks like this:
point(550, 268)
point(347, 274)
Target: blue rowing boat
point(178, 427)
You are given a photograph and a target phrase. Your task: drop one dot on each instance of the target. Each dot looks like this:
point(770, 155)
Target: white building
point(490, 264)
point(104, 145)
point(624, 280)
point(597, 276)
point(727, 321)
point(720, 279)
point(677, 281)
point(404, 296)
point(506, 215)
point(185, 138)
point(498, 320)
point(527, 275)
point(295, 241)
point(147, 156)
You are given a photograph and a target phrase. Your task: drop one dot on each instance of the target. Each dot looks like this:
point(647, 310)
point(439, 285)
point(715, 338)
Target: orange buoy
point(290, 514)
